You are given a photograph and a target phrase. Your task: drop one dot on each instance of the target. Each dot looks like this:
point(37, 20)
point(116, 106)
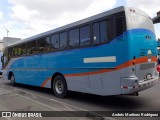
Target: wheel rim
point(12, 79)
point(59, 87)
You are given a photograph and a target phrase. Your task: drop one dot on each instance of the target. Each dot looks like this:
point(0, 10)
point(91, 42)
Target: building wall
point(9, 40)
point(1, 46)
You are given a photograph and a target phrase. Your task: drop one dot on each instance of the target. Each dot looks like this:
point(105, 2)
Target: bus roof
point(109, 12)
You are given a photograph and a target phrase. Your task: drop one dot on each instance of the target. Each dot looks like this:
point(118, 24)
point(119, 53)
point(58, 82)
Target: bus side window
point(43, 44)
point(55, 42)
point(85, 36)
point(19, 50)
point(103, 31)
point(24, 49)
point(47, 43)
point(15, 51)
point(40, 45)
point(74, 38)
point(9, 53)
point(96, 33)
point(31, 47)
point(63, 40)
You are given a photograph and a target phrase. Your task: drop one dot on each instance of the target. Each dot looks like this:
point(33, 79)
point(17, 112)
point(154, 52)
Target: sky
point(25, 18)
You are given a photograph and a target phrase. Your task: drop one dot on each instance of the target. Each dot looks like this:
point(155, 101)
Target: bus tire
point(59, 86)
point(12, 79)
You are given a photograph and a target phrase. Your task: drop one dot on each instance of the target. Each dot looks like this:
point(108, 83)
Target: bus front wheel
point(12, 79)
point(59, 86)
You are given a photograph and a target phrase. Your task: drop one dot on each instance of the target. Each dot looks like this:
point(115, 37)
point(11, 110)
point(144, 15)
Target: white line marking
point(32, 100)
point(50, 100)
point(53, 100)
point(65, 104)
point(100, 59)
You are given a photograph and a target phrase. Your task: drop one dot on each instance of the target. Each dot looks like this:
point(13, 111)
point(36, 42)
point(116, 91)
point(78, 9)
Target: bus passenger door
point(3, 60)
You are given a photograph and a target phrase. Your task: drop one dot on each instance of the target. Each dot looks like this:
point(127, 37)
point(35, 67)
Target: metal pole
point(6, 30)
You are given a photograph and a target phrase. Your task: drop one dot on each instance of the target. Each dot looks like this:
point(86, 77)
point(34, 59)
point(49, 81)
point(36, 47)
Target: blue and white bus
point(112, 53)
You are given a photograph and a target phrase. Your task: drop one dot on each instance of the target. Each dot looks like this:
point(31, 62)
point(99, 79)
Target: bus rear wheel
point(12, 79)
point(59, 86)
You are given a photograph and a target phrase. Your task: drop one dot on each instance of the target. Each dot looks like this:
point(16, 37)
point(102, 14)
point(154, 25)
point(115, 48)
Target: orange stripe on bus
point(45, 82)
point(127, 64)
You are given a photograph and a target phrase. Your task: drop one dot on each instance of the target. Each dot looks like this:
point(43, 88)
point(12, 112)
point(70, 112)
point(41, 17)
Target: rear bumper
point(131, 85)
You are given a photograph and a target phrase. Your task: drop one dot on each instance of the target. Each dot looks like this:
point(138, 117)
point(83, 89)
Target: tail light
point(133, 63)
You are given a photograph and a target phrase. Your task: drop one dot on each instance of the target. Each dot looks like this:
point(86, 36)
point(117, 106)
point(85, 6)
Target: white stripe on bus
point(100, 59)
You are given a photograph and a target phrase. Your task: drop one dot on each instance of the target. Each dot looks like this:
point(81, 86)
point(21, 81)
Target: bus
point(111, 53)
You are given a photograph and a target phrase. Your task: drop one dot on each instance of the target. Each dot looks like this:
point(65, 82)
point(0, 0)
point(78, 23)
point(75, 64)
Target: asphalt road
point(29, 98)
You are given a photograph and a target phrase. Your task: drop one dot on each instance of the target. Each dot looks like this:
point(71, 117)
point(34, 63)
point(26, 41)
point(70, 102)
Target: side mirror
point(156, 20)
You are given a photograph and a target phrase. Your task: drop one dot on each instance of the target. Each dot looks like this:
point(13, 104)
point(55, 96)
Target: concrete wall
point(9, 40)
